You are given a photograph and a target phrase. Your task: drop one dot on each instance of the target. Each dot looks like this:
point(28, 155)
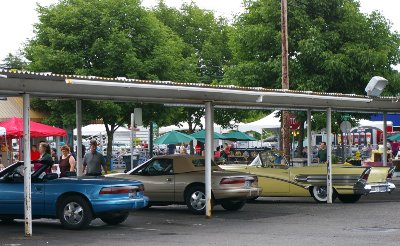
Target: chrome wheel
point(320, 193)
point(198, 200)
point(73, 213)
point(195, 198)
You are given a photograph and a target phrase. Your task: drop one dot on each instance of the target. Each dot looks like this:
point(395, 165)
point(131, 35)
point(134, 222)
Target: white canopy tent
point(121, 135)
point(96, 129)
point(268, 122)
point(2, 131)
point(372, 124)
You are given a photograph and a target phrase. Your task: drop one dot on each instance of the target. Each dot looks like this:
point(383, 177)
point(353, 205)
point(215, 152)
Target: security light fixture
point(375, 86)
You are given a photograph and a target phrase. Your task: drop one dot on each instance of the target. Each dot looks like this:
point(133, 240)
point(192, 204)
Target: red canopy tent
point(15, 129)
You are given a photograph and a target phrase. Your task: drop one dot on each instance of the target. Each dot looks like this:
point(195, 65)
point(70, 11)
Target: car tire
point(349, 198)
point(75, 212)
point(233, 205)
point(196, 199)
point(319, 193)
point(115, 219)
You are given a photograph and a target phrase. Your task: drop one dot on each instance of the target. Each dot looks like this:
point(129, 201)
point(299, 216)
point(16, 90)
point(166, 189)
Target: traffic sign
point(345, 126)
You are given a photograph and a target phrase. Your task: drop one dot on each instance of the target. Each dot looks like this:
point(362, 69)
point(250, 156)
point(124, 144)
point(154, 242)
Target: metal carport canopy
point(55, 86)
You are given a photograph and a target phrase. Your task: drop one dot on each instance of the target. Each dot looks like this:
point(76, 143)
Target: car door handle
point(169, 179)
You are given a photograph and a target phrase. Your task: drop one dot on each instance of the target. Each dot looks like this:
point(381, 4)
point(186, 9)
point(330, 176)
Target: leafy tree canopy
point(14, 62)
point(110, 38)
point(333, 47)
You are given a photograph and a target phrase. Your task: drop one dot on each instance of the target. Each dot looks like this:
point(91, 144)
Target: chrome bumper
point(363, 188)
point(240, 193)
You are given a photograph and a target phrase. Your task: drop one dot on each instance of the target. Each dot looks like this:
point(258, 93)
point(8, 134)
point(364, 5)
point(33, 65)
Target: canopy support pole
point(151, 137)
point(329, 155)
point(309, 138)
point(132, 138)
point(27, 167)
point(208, 155)
point(58, 151)
point(385, 149)
point(79, 165)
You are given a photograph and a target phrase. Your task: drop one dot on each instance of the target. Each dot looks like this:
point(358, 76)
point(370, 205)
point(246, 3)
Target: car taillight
point(390, 173)
point(235, 180)
point(365, 174)
point(118, 190)
point(141, 188)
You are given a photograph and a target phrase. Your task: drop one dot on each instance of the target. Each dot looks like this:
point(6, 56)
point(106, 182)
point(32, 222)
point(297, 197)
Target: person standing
point(93, 161)
point(182, 150)
point(54, 155)
point(226, 152)
point(322, 153)
point(171, 149)
point(35, 155)
point(217, 154)
point(67, 161)
point(198, 148)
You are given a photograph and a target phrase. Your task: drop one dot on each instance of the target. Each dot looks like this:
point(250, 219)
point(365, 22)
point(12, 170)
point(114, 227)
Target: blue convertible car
point(76, 201)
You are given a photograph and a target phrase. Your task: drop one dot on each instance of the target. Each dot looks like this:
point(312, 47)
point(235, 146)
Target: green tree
point(14, 62)
point(330, 43)
point(205, 38)
point(110, 38)
point(204, 34)
point(333, 47)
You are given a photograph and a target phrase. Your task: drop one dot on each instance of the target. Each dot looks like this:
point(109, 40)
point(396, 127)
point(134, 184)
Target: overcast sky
point(17, 16)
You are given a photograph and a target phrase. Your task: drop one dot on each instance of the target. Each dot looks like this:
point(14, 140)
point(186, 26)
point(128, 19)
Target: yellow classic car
point(349, 182)
point(179, 179)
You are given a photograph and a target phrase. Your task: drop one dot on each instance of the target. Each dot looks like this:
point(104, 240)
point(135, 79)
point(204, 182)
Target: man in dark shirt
point(171, 149)
point(322, 153)
point(93, 161)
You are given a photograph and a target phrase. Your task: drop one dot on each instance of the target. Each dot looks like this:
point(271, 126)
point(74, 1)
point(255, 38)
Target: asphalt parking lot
point(374, 220)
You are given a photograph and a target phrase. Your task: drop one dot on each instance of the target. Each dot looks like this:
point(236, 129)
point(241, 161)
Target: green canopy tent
point(174, 137)
point(239, 136)
point(201, 135)
point(395, 137)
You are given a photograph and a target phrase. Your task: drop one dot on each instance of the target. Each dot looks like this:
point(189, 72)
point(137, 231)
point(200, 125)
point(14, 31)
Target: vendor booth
point(15, 130)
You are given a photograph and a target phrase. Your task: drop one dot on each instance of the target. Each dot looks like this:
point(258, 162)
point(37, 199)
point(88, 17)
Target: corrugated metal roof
point(53, 76)
point(56, 86)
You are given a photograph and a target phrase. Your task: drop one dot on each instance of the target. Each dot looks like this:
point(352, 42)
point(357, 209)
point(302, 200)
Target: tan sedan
point(179, 179)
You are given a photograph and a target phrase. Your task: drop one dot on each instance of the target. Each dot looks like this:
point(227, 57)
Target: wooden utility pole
point(285, 126)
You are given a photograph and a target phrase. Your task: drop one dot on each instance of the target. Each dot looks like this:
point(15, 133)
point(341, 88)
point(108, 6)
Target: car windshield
point(16, 171)
point(269, 158)
point(155, 167)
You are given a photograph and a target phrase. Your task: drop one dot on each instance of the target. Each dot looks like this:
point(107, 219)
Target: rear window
point(201, 163)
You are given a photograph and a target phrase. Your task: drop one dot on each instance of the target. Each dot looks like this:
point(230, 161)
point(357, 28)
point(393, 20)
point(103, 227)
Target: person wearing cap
point(93, 161)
